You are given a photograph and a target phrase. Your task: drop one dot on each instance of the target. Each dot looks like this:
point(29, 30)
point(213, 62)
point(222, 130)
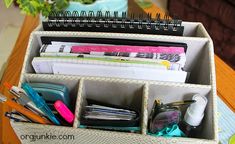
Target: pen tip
point(2, 98)
point(6, 84)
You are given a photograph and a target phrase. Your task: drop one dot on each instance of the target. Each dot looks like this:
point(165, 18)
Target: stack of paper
point(161, 63)
point(108, 113)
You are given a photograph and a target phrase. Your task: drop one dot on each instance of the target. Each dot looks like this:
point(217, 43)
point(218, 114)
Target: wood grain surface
point(225, 76)
point(225, 80)
point(12, 75)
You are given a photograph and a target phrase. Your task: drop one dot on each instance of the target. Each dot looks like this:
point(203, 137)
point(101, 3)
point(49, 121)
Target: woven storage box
point(137, 94)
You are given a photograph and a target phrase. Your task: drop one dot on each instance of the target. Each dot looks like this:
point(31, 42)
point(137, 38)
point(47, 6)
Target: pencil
point(34, 117)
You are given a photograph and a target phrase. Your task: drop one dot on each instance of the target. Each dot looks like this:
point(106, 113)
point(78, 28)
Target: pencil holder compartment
point(169, 94)
point(113, 94)
point(71, 83)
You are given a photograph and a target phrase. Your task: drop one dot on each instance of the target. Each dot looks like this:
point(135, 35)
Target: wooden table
point(225, 77)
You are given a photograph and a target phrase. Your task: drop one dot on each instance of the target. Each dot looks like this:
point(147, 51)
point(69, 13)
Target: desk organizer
point(136, 94)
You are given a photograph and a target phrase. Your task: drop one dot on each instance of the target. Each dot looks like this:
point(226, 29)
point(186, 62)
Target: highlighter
point(64, 111)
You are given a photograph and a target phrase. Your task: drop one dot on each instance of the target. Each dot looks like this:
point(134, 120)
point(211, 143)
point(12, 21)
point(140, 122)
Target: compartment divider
point(174, 84)
point(144, 112)
point(78, 104)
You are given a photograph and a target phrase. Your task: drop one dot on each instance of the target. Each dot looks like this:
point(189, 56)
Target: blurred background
point(10, 22)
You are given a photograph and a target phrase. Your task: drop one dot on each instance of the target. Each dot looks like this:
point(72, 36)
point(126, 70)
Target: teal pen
point(40, 102)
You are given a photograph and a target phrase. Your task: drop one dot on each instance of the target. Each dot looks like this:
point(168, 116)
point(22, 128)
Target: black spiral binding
point(112, 22)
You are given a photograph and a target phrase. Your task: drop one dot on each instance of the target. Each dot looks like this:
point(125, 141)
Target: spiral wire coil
point(115, 19)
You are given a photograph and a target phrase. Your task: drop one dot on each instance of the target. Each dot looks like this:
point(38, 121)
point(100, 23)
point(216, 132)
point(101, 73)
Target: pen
point(13, 118)
point(40, 102)
point(22, 98)
point(34, 117)
point(17, 117)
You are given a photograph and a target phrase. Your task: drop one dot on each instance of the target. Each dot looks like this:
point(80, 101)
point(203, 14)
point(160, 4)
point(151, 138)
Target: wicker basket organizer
point(136, 94)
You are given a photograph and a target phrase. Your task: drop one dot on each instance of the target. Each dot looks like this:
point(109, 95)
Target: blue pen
point(40, 102)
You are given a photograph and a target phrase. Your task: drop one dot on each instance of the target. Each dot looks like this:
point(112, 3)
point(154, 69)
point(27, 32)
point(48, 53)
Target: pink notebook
point(127, 49)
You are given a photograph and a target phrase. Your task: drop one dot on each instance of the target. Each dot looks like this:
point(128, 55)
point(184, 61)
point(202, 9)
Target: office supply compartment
point(134, 94)
point(197, 53)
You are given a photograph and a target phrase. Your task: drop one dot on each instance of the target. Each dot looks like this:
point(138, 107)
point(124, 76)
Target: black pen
point(17, 117)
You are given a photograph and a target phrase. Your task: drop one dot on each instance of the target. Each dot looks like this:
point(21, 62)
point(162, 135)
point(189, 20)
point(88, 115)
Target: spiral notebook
point(117, 23)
